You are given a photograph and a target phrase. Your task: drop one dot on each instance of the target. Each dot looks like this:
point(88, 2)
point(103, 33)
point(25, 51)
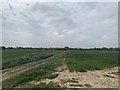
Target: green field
point(12, 58)
point(41, 72)
point(91, 60)
point(76, 60)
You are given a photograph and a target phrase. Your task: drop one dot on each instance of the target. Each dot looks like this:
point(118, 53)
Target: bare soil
point(91, 79)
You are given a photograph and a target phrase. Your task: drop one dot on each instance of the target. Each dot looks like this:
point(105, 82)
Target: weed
point(43, 85)
point(88, 85)
point(76, 85)
point(73, 81)
point(108, 76)
point(52, 76)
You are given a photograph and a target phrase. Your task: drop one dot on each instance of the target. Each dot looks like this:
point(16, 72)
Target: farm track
point(8, 73)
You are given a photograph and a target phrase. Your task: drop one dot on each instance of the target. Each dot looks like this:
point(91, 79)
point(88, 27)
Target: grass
point(73, 81)
point(52, 76)
point(9, 54)
point(12, 58)
point(44, 85)
point(116, 73)
point(76, 85)
point(41, 72)
point(83, 61)
point(79, 85)
point(79, 61)
point(108, 76)
point(88, 85)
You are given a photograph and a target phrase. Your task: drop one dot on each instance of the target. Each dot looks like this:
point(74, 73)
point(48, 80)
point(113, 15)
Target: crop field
point(12, 58)
point(40, 65)
point(37, 73)
point(91, 60)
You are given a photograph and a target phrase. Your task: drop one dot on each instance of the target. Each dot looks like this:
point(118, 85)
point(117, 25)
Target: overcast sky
point(70, 24)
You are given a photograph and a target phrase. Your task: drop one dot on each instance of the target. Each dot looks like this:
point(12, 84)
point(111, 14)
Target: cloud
point(60, 24)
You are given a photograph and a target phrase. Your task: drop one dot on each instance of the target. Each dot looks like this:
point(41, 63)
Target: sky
point(53, 24)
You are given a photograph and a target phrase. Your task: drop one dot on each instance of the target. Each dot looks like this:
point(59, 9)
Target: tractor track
point(8, 73)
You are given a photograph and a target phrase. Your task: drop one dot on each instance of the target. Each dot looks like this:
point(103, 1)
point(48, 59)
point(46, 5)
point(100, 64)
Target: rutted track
point(8, 73)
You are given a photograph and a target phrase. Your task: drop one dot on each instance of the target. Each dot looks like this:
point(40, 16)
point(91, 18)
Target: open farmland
point(16, 57)
point(40, 72)
point(61, 69)
point(59, 45)
point(91, 60)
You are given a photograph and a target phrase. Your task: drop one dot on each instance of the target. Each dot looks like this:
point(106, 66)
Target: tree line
point(65, 48)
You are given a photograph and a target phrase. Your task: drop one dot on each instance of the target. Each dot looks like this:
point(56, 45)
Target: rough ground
point(106, 78)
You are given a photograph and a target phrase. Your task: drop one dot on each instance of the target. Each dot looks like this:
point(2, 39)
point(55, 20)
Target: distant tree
point(3, 47)
point(66, 48)
point(10, 47)
point(111, 48)
point(19, 47)
point(104, 48)
point(118, 48)
point(95, 48)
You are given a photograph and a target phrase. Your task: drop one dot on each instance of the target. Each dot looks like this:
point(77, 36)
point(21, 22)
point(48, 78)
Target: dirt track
point(106, 78)
point(8, 73)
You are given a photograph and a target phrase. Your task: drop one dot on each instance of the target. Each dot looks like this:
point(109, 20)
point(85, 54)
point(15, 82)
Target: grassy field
point(43, 71)
point(12, 58)
point(79, 61)
point(91, 60)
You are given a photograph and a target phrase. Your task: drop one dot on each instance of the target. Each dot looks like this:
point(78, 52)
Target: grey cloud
point(55, 25)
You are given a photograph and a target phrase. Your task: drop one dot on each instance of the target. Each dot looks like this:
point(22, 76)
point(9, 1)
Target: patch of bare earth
point(92, 79)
